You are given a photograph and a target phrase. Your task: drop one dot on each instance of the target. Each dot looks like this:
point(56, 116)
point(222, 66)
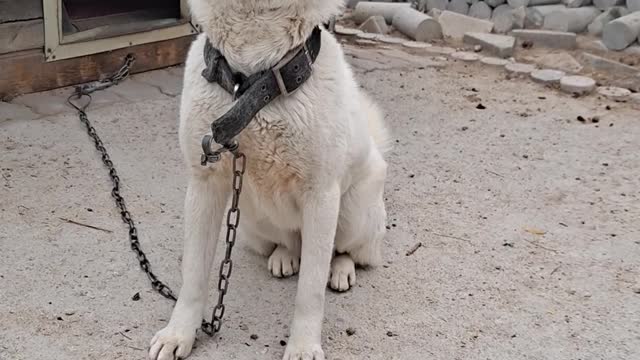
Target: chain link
point(233, 215)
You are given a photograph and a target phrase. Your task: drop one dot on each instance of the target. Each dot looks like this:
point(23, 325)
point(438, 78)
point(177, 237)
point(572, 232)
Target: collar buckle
point(285, 61)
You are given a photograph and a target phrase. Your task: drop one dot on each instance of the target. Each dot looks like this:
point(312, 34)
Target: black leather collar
point(255, 91)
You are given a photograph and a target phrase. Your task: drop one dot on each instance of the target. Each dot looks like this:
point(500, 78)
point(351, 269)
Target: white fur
point(315, 168)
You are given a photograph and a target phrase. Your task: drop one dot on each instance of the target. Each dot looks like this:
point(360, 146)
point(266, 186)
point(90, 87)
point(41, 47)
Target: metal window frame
point(56, 50)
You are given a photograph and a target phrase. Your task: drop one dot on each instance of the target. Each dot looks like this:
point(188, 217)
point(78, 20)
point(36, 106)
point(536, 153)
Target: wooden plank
point(15, 10)
point(21, 35)
point(27, 71)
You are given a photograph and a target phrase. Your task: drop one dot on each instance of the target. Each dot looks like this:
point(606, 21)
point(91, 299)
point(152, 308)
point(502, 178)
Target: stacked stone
point(616, 21)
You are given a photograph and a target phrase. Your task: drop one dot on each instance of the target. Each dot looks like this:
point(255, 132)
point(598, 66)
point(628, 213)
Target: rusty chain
point(233, 215)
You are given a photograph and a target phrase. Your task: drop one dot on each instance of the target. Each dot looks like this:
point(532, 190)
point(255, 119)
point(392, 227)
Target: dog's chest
point(275, 166)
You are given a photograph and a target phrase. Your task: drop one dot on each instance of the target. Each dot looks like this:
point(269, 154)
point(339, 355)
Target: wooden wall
point(21, 25)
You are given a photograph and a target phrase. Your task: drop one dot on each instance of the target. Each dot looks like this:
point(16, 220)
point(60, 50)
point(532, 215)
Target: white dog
point(313, 190)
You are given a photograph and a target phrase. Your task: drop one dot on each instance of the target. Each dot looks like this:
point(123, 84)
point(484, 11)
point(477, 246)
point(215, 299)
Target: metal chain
point(233, 219)
point(233, 216)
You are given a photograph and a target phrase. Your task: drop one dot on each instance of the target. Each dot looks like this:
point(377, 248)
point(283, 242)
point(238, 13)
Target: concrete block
point(458, 6)
point(633, 5)
point(341, 30)
point(597, 25)
point(517, 3)
point(560, 61)
point(454, 25)
point(547, 76)
point(495, 3)
point(622, 32)
point(571, 20)
point(163, 80)
point(437, 4)
point(579, 85)
point(519, 69)
point(132, 90)
point(605, 4)
point(435, 13)
point(591, 44)
point(499, 45)
point(534, 18)
point(417, 25)
point(10, 111)
point(493, 61)
point(465, 56)
point(507, 19)
point(576, 3)
point(46, 103)
point(613, 93)
point(543, 2)
point(606, 65)
point(375, 25)
point(547, 38)
point(365, 10)
point(480, 10)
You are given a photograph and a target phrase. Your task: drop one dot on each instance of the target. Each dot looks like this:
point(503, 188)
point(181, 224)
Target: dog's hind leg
point(204, 209)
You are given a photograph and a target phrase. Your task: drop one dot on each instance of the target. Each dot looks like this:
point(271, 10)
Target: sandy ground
point(528, 220)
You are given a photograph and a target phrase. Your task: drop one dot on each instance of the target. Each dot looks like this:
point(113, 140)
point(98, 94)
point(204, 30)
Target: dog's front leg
point(320, 218)
point(204, 206)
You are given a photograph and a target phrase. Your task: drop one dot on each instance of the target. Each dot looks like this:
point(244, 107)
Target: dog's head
point(254, 34)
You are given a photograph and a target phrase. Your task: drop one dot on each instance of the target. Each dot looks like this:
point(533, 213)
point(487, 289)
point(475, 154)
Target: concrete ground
point(528, 220)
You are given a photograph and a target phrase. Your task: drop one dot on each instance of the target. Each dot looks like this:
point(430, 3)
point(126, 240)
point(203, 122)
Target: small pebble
point(351, 331)
point(254, 337)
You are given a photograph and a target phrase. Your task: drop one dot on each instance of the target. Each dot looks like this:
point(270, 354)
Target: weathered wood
point(16, 10)
point(27, 71)
point(21, 35)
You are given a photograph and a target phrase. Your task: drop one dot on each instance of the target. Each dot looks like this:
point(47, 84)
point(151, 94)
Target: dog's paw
point(303, 351)
point(283, 263)
point(171, 344)
point(343, 273)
